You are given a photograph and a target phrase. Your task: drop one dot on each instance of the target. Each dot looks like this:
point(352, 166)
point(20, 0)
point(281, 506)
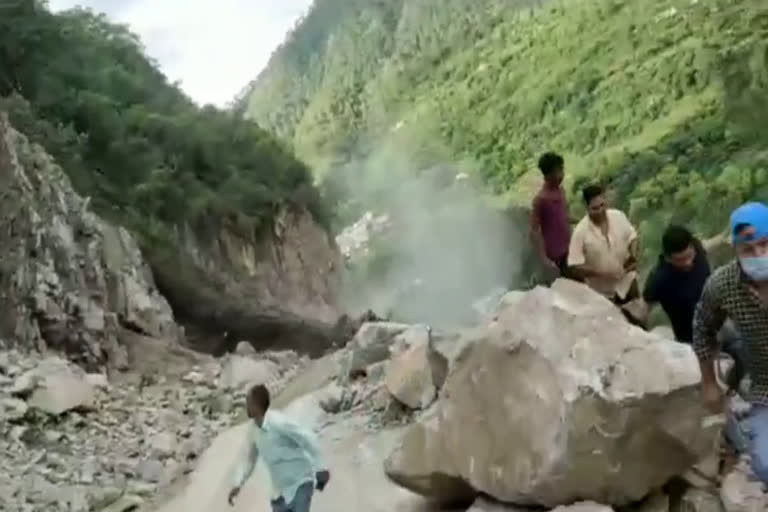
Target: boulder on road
point(415, 376)
point(740, 493)
point(555, 399)
point(239, 372)
point(370, 345)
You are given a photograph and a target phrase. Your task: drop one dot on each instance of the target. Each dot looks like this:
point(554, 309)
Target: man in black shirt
point(677, 282)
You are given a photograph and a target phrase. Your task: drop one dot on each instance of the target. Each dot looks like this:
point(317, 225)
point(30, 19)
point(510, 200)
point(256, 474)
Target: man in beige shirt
point(603, 250)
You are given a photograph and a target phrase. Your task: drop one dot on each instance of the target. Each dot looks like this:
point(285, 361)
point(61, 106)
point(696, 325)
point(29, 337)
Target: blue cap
point(755, 216)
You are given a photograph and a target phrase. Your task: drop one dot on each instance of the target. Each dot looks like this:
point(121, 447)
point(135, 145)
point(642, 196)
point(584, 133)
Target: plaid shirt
point(728, 294)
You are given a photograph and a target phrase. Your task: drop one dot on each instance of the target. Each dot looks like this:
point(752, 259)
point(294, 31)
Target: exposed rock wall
point(275, 287)
point(68, 280)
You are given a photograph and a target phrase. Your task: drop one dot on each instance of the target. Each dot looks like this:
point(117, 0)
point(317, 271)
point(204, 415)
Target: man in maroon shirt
point(550, 223)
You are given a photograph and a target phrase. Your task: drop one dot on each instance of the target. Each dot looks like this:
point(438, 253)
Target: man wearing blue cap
point(739, 291)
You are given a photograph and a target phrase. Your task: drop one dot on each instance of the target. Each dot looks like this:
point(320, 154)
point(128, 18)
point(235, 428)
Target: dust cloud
point(447, 247)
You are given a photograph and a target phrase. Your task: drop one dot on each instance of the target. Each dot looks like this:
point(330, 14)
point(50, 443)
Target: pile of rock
point(553, 401)
point(76, 442)
point(353, 241)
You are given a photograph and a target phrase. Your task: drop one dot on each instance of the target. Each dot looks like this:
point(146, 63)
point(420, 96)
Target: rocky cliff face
point(294, 265)
point(275, 286)
point(68, 280)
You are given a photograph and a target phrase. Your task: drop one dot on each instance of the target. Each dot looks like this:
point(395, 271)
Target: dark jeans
point(300, 503)
point(731, 344)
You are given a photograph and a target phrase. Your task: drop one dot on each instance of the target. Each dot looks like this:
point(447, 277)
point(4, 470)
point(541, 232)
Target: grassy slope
point(660, 98)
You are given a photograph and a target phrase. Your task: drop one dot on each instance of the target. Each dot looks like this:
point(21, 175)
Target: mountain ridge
point(645, 96)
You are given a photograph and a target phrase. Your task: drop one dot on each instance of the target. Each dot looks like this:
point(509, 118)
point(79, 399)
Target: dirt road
point(353, 453)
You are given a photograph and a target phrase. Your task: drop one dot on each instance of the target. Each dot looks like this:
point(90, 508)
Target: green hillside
point(148, 157)
point(661, 99)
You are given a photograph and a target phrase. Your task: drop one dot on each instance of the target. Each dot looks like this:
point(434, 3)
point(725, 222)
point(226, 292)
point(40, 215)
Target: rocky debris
point(740, 493)
point(354, 240)
point(656, 502)
point(70, 279)
point(315, 375)
point(130, 443)
point(54, 387)
point(374, 343)
point(700, 500)
point(415, 376)
point(240, 372)
point(558, 398)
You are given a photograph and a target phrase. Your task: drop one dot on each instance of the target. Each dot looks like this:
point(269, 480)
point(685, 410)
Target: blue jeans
point(758, 450)
point(300, 503)
point(755, 441)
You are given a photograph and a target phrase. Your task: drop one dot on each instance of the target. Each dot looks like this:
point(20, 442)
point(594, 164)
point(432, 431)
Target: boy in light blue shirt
point(289, 452)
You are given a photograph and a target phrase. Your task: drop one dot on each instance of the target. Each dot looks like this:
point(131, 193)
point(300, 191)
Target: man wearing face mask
point(739, 291)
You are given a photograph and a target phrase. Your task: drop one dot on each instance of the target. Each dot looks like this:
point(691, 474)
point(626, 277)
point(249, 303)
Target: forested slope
point(149, 158)
point(225, 214)
point(662, 99)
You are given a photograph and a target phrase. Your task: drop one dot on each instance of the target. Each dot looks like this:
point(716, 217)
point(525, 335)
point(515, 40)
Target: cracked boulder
point(555, 399)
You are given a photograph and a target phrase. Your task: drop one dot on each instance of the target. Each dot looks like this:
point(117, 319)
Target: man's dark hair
point(259, 395)
point(550, 162)
point(591, 191)
point(675, 239)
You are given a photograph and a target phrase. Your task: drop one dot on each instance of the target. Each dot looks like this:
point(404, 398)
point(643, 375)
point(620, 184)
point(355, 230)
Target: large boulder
point(240, 372)
point(415, 376)
point(557, 399)
point(371, 344)
point(70, 279)
point(55, 387)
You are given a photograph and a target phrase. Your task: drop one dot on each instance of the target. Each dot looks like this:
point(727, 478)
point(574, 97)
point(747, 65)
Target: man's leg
point(758, 426)
point(279, 505)
point(303, 498)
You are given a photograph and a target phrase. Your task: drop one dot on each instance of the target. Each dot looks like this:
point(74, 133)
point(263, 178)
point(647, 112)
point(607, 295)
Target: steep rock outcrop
point(275, 286)
point(68, 279)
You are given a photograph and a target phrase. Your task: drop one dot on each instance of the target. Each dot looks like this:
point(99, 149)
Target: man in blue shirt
point(289, 452)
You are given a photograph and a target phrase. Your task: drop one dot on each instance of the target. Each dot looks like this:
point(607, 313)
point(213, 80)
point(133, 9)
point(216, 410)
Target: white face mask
point(755, 267)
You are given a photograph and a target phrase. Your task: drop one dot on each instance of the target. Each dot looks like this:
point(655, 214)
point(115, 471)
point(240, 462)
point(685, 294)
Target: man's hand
point(322, 477)
point(232, 495)
point(714, 398)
